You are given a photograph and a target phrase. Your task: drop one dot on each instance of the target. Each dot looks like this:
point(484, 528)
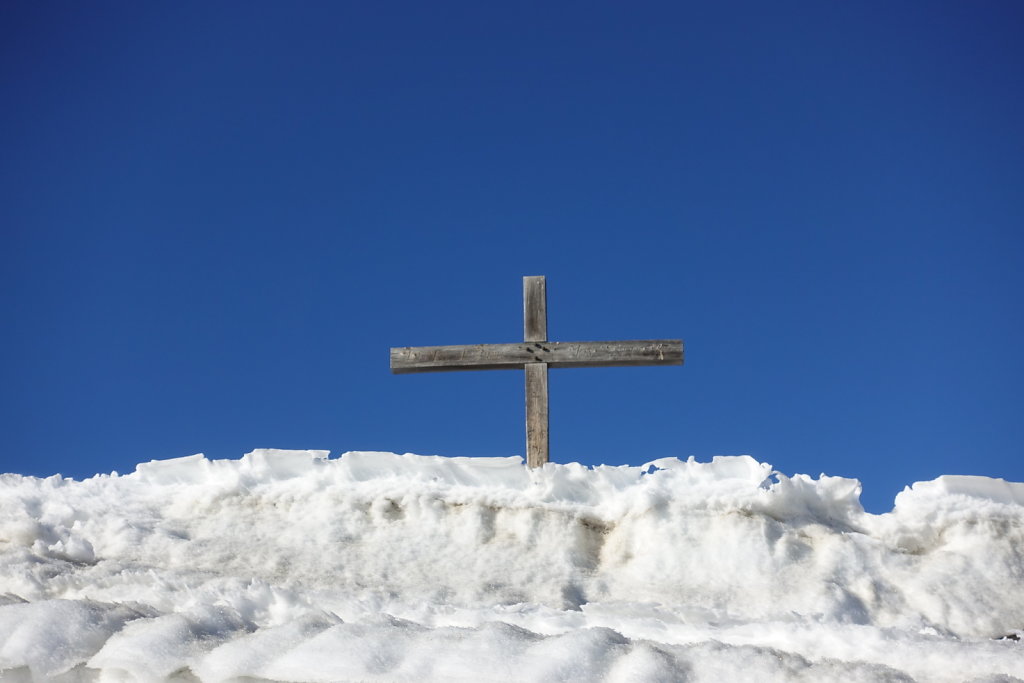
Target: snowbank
point(287, 565)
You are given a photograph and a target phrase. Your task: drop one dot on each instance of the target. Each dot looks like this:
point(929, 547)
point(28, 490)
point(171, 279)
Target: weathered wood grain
point(536, 414)
point(535, 308)
point(411, 359)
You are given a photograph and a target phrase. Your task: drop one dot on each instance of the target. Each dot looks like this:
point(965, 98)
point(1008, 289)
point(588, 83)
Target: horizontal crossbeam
point(410, 359)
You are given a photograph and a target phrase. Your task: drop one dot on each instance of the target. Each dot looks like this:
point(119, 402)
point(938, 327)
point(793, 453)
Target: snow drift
point(287, 565)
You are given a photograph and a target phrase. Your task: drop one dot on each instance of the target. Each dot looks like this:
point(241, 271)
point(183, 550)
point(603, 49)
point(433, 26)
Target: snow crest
point(290, 566)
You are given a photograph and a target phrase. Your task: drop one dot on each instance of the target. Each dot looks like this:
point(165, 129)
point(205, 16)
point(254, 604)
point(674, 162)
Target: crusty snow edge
point(208, 566)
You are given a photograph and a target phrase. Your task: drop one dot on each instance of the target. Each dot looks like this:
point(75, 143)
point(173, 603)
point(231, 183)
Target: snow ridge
point(288, 565)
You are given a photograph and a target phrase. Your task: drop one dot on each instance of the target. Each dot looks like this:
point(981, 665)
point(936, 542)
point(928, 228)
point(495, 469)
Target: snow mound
point(290, 566)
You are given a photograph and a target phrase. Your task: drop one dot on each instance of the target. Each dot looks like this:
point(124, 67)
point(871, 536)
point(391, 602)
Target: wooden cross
point(536, 354)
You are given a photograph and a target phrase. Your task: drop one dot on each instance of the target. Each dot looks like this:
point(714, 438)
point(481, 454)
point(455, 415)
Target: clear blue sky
point(217, 218)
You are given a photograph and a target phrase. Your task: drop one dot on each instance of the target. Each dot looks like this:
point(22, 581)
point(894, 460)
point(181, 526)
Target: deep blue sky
point(218, 217)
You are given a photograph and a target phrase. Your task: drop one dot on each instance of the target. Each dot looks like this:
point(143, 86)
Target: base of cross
point(535, 355)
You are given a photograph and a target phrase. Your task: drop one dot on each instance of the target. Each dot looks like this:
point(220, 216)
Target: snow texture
point(289, 566)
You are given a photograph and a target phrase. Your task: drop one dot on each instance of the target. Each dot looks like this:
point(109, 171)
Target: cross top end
point(535, 308)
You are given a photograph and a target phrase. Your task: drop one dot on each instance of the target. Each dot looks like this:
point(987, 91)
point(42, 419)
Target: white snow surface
point(290, 566)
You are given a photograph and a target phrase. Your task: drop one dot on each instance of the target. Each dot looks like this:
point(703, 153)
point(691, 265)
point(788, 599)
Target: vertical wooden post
point(535, 329)
point(536, 414)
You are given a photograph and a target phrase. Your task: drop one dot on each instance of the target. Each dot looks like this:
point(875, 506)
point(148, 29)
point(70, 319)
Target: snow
point(293, 566)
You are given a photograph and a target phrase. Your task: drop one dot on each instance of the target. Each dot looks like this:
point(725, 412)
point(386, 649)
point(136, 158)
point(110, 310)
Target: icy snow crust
point(289, 566)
